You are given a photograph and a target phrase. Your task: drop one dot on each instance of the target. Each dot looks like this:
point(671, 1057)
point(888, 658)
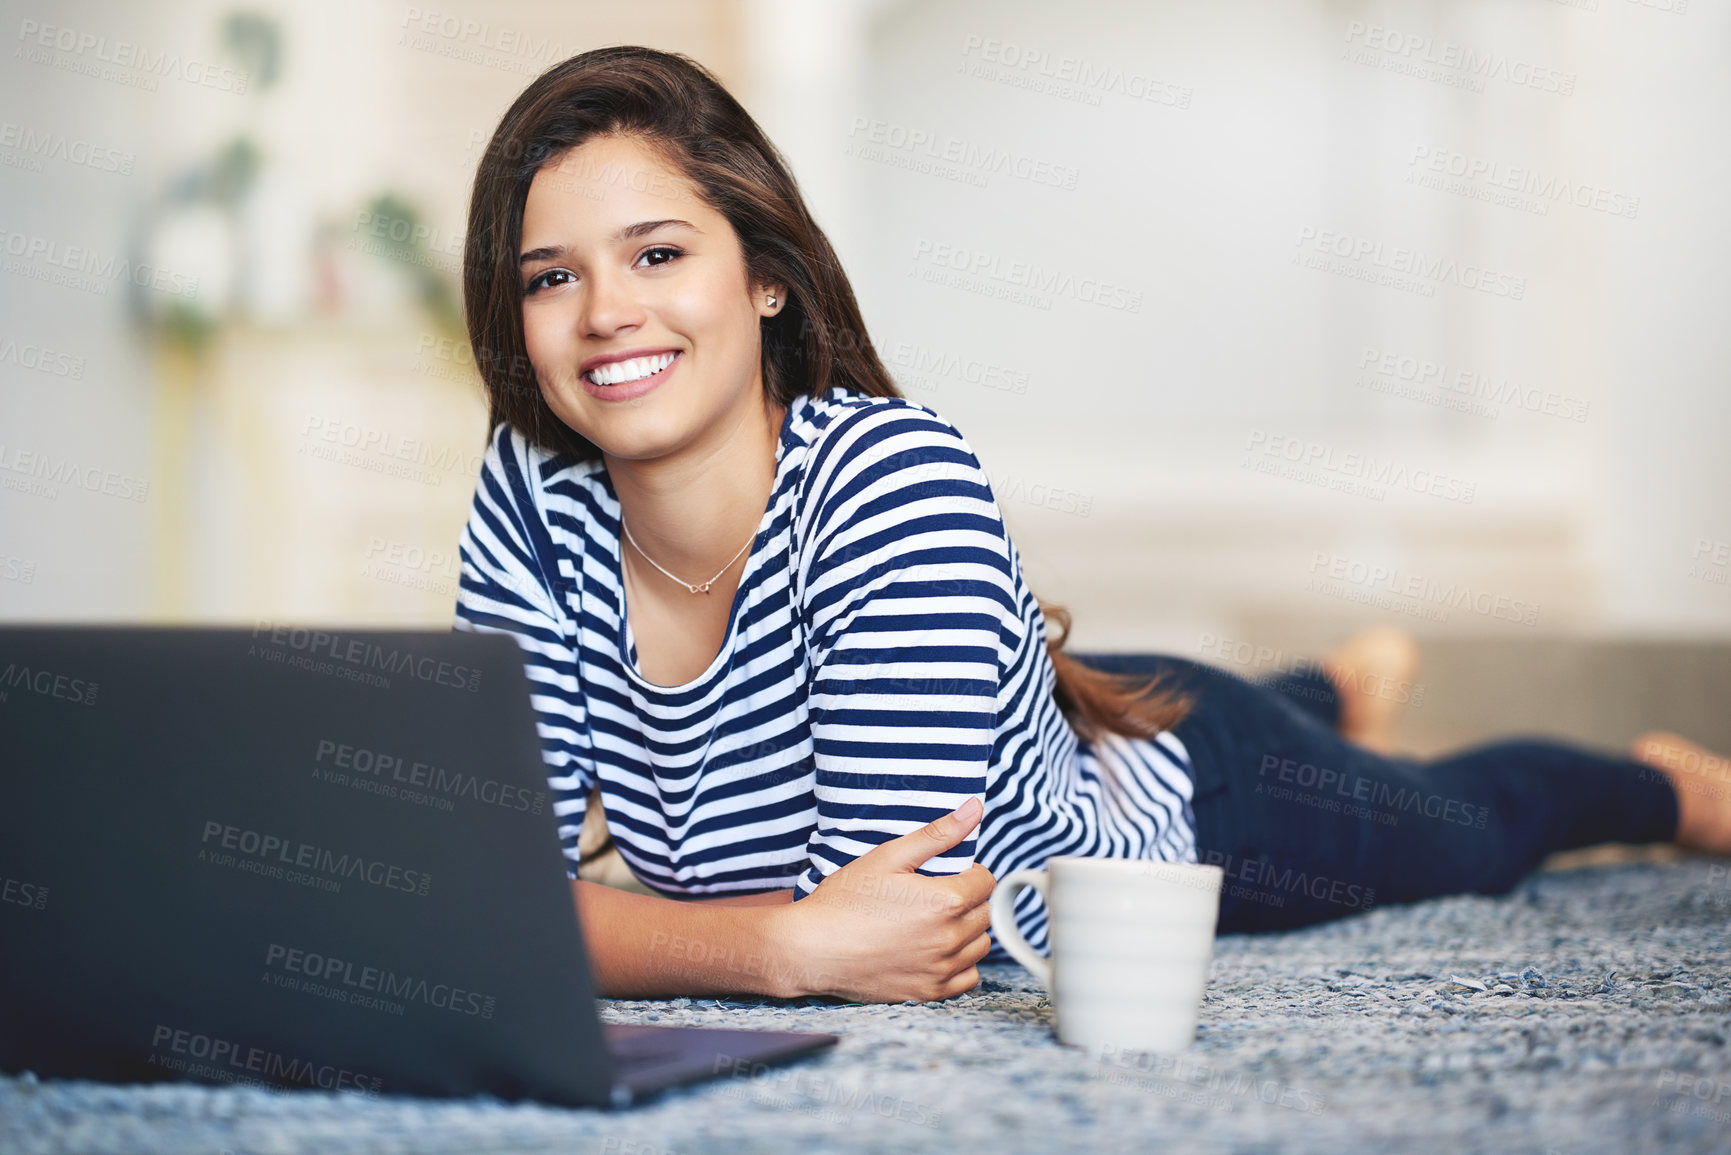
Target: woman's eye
point(547, 279)
point(543, 280)
point(675, 254)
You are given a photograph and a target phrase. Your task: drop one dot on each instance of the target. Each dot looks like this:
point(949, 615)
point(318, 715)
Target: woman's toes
point(1651, 746)
point(1661, 748)
point(1702, 780)
point(1373, 675)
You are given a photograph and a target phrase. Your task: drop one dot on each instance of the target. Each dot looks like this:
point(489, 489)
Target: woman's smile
point(631, 378)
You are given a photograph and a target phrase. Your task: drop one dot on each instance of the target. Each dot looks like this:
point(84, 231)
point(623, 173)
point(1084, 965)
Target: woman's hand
point(876, 932)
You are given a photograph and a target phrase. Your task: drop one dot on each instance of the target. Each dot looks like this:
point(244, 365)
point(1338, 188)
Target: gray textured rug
point(1602, 1026)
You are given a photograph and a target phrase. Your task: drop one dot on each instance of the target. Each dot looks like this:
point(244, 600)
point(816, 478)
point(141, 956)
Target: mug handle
point(1004, 920)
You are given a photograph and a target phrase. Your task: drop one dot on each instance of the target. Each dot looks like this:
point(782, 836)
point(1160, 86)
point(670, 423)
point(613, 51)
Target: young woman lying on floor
point(770, 611)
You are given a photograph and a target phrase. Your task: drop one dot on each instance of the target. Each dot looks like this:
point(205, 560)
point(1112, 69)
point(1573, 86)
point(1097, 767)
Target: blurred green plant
point(396, 228)
point(254, 39)
point(227, 177)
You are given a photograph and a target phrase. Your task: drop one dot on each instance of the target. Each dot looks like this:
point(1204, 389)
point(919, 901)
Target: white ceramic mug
point(1131, 940)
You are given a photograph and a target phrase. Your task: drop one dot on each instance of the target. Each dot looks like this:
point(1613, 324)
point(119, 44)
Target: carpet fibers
point(1587, 1011)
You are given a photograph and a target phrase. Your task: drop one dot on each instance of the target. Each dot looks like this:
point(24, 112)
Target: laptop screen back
point(287, 857)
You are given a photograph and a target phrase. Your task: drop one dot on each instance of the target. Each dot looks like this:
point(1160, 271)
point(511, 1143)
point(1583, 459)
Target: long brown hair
point(671, 104)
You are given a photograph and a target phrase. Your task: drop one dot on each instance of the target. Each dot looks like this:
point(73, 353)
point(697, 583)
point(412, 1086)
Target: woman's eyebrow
point(629, 232)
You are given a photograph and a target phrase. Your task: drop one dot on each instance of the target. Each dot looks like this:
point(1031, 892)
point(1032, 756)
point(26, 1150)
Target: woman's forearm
point(874, 930)
point(763, 898)
point(646, 947)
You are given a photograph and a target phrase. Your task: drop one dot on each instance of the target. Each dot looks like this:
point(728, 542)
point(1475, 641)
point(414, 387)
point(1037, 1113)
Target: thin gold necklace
point(696, 589)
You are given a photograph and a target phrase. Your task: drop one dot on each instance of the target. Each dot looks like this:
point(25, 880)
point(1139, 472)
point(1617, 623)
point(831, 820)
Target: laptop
point(295, 857)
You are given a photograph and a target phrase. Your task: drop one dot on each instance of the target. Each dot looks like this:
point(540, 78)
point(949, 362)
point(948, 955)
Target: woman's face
point(620, 255)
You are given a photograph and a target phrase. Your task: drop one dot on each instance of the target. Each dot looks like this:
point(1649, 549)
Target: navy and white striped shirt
point(884, 661)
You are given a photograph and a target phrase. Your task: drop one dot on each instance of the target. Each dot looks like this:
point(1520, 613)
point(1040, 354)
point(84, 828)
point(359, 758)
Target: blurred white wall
point(1590, 424)
point(1132, 250)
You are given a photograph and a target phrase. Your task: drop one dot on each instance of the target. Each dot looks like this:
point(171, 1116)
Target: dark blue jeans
point(1309, 826)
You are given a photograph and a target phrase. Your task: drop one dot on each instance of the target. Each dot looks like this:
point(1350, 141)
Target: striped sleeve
point(511, 584)
point(906, 590)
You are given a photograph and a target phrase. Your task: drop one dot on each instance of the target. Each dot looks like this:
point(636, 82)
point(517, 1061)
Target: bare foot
point(1373, 673)
point(1703, 782)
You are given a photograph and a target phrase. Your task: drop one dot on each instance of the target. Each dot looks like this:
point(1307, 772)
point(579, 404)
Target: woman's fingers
point(966, 963)
point(976, 884)
point(957, 895)
point(888, 932)
point(973, 924)
point(962, 983)
point(911, 850)
point(973, 951)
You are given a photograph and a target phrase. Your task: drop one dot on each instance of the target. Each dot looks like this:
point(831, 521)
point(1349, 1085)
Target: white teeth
point(620, 372)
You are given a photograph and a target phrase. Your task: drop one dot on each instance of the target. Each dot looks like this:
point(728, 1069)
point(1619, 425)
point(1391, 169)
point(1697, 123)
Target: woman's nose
point(609, 305)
